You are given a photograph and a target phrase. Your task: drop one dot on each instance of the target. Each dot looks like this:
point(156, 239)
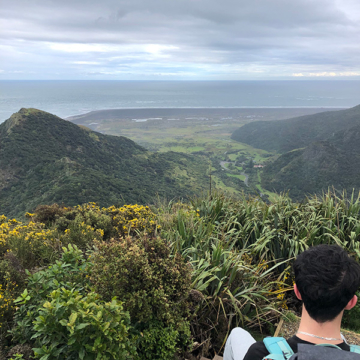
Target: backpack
point(279, 349)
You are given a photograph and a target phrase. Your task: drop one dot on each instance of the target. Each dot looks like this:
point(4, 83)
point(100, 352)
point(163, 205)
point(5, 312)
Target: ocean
point(67, 98)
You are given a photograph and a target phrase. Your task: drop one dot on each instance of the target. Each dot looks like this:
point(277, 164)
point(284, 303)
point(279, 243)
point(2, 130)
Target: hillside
point(44, 159)
point(347, 140)
point(313, 170)
point(285, 135)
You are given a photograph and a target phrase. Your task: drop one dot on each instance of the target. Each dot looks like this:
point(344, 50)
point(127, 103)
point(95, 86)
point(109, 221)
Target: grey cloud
point(309, 33)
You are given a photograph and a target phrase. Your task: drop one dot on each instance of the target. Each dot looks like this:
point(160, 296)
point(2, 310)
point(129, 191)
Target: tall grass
point(241, 251)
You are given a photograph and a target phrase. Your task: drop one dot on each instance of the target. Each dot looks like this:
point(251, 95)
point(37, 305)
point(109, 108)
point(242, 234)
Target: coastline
point(185, 113)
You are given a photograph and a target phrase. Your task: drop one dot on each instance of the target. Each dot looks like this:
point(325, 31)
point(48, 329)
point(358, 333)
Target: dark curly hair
point(327, 279)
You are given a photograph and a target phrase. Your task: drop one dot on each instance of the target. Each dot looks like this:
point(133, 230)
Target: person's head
point(327, 279)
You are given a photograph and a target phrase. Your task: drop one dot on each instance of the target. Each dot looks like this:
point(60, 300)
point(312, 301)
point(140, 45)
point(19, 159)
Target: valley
point(316, 152)
point(203, 132)
point(136, 155)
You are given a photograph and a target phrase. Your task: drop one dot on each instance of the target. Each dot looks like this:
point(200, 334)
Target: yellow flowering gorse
point(25, 241)
point(131, 218)
point(7, 298)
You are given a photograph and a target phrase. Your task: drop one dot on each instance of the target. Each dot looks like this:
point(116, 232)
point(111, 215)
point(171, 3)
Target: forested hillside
point(318, 151)
point(285, 135)
point(44, 159)
point(313, 170)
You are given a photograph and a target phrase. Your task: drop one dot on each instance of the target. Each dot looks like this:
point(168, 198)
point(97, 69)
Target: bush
point(71, 272)
point(87, 214)
point(31, 243)
point(47, 214)
point(153, 285)
point(81, 234)
point(229, 292)
point(17, 357)
point(7, 309)
point(131, 219)
point(237, 252)
point(158, 342)
point(82, 224)
point(72, 326)
point(12, 282)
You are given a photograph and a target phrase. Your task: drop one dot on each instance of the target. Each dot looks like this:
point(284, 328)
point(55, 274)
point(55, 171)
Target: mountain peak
point(14, 120)
point(21, 116)
point(27, 111)
point(45, 159)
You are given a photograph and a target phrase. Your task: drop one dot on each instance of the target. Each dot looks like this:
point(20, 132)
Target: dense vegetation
point(286, 135)
point(183, 274)
point(313, 170)
point(44, 159)
point(322, 151)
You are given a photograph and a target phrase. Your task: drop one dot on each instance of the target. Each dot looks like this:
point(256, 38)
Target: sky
point(179, 39)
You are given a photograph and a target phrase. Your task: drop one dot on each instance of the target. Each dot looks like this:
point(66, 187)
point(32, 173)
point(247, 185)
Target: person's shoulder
point(294, 341)
point(257, 351)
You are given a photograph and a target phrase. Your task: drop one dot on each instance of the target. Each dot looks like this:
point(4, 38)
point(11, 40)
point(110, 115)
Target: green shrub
point(153, 284)
point(228, 292)
point(81, 234)
point(238, 252)
point(47, 214)
point(71, 272)
point(131, 219)
point(82, 224)
point(157, 342)
point(72, 326)
point(31, 243)
point(89, 214)
point(12, 271)
point(17, 357)
point(12, 283)
point(7, 310)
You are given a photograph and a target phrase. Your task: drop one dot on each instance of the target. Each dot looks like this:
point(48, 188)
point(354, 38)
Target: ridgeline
point(286, 135)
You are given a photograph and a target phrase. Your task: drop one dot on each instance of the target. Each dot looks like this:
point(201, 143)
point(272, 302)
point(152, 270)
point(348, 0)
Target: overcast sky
point(179, 39)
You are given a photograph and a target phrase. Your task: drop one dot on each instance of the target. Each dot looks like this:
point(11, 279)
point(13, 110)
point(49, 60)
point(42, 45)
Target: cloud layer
point(182, 39)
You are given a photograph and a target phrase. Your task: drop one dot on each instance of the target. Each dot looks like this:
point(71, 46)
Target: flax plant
point(241, 253)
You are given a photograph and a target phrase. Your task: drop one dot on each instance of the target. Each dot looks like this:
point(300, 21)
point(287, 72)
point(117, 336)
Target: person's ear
point(297, 292)
point(351, 303)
